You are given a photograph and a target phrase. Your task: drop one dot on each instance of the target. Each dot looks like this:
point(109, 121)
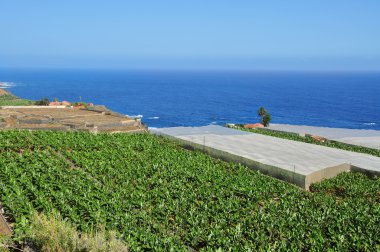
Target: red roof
point(54, 103)
point(252, 126)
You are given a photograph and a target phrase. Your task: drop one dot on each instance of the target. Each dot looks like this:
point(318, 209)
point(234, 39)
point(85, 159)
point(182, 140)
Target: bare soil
point(96, 119)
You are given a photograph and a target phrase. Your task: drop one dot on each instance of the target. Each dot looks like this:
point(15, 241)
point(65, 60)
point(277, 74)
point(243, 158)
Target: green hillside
point(8, 99)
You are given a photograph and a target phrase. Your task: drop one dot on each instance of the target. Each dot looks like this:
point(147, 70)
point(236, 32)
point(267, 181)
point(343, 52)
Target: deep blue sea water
point(189, 98)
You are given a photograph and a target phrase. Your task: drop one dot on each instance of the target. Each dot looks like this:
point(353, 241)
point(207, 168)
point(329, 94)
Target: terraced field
point(158, 196)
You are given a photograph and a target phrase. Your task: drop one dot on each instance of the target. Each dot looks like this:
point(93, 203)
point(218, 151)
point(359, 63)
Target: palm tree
point(262, 112)
point(265, 116)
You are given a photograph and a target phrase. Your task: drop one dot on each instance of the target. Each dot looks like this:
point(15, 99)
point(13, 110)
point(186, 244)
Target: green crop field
point(158, 196)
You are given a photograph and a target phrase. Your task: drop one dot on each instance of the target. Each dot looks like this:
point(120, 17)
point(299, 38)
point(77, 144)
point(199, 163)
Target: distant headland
point(18, 113)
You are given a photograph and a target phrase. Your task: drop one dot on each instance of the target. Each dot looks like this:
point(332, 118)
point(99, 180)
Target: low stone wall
point(326, 173)
point(31, 107)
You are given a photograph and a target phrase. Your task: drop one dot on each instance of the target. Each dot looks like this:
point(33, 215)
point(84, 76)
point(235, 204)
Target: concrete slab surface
point(289, 156)
point(362, 137)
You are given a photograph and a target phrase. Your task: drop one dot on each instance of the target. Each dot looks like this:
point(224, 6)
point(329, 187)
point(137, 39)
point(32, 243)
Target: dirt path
point(4, 227)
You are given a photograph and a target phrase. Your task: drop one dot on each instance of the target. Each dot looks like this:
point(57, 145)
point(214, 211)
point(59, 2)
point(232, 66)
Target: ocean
point(194, 98)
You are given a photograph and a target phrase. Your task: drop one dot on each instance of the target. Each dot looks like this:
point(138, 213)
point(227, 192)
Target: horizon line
point(192, 69)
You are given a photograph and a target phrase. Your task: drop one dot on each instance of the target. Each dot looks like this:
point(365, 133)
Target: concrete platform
point(366, 138)
point(295, 162)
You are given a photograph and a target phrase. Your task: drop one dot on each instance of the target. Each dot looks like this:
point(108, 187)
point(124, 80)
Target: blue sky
point(205, 34)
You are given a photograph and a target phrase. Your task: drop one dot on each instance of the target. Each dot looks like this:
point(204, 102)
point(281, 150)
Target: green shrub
point(266, 120)
point(42, 102)
point(54, 234)
point(5, 243)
